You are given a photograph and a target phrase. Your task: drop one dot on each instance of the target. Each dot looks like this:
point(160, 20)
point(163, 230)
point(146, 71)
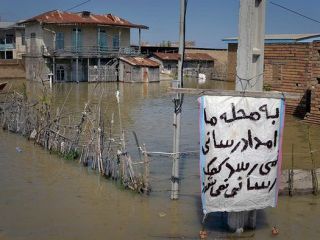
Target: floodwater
point(45, 197)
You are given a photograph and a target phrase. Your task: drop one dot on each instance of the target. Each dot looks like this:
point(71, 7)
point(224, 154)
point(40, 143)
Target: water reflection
point(44, 197)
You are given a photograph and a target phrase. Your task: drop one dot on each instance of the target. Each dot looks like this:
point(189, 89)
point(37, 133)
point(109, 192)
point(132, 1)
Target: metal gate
point(104, 73)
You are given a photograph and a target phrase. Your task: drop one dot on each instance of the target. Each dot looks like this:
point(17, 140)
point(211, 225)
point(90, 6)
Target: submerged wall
point(12, 69)
point(129, 73)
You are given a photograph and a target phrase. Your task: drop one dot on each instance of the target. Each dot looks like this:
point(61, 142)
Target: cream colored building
point(66, 45)
point(12, 41)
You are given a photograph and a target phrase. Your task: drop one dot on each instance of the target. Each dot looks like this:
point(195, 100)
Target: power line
point(295, 12)
point(78, 5)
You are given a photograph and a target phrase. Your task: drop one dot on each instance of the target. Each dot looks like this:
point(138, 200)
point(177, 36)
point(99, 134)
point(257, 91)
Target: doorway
point(60, 73)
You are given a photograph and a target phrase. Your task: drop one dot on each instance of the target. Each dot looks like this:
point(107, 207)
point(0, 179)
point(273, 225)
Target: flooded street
point(43, 196)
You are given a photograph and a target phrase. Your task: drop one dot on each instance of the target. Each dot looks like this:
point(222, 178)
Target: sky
point(208, 21)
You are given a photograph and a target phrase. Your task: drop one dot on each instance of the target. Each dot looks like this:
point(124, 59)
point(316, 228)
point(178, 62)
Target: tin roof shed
point(139, 61)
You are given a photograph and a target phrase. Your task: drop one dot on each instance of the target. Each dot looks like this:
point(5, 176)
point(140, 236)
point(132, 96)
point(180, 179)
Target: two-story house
point(12, 41)
point(66, 44)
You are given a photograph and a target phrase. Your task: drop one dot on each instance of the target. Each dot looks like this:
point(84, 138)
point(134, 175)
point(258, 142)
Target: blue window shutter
point(60, 40)
point(115, 42)
point(103, 41)
point(79, 40)
point(74, 39)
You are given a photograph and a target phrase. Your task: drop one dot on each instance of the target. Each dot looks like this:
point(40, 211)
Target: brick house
point(292, 64)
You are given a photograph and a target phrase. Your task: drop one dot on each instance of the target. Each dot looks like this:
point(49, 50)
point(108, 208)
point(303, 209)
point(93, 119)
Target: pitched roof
point(282, 38)
point(85, 17)
point(139, 61)
point(188, 56)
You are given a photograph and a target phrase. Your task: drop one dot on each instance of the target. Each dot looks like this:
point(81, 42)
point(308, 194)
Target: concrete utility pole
point(178, 106)
point(181, 41)
point(250, 61)
point(250, 56)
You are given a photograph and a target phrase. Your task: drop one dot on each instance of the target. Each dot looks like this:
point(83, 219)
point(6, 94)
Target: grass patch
point(71, 155)
point(267, 88)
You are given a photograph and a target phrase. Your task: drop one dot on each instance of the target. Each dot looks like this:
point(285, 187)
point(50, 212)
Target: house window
point(60, 40)
point(23, 39)
point(102, 40)
point(33, 35)
point(9, 55)
point(76, 39)
point(60, 73)
point(318, 80)
point(9, 38)
point(116, 42)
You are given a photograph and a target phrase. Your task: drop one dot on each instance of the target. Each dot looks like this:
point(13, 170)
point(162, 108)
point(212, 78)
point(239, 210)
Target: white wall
point(20, 49)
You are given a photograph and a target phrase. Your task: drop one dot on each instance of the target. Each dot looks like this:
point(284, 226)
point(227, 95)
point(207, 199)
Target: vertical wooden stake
point(146, 169)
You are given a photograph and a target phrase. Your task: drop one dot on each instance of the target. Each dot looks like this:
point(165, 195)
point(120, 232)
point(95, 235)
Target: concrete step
point(298, 181)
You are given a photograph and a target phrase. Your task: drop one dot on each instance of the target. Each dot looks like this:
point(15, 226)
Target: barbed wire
point(197, 151)
point(171, 153)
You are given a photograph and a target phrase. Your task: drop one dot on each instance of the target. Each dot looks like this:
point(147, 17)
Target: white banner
point(240, 152)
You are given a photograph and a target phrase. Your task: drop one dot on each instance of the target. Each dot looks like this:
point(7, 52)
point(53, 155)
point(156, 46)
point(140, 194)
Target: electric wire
point(295, 12)
point(78, 5)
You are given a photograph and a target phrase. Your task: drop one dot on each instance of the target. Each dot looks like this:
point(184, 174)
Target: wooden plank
point(219, 92)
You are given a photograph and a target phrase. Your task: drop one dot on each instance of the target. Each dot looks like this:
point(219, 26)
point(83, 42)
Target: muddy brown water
point(45, 197)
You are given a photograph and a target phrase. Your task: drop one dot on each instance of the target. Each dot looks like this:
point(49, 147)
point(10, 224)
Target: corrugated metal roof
point(139, 61)
point(60, 17)
point(282, 38)
point(167, 56)
point(188, 56)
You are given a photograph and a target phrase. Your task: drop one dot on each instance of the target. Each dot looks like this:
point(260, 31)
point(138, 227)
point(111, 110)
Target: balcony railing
point(7, 46)
point(89, 51)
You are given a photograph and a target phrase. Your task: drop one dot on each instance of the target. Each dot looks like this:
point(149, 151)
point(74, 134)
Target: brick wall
point(232, 61)
point(293, 68)
point(287, 69)
point(314, 115)
point(10, 69)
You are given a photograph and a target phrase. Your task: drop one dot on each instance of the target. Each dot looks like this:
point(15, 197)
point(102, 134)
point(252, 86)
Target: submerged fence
point(102, 74)
point(85, 136)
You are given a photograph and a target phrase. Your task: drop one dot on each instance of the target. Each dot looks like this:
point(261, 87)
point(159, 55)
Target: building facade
point(220, 56)
point(194, 63)
point(65, 45)
point(291, 64)
point(12, 41)
point(138, 69)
